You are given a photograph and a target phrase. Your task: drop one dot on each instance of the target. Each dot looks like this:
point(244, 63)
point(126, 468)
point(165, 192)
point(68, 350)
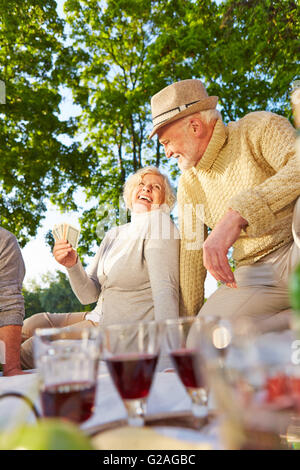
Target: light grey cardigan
point(12, 272)
point(135, 273)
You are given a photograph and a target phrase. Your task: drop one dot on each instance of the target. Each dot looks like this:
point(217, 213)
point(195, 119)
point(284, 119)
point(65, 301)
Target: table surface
point(167, 396)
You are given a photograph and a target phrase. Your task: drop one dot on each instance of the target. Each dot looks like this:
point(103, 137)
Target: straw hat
point(179, 100)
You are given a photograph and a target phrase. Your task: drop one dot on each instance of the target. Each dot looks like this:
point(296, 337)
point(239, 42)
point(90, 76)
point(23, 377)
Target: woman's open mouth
point(146, 198)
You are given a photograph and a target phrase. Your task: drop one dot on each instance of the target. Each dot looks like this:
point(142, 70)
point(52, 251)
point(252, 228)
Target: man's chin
point(184, 164)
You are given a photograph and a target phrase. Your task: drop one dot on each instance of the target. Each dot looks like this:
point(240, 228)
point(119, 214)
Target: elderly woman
point(135, 273)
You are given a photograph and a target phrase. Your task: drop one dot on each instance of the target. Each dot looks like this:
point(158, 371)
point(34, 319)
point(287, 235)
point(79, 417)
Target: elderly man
point(242, 181)
point(12, 311)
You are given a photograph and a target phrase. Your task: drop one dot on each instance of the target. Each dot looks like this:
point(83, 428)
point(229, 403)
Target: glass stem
point(199, 401)
point(136, 411)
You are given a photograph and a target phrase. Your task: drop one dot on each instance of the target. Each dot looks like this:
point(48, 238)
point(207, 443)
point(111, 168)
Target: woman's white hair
point(136, 178)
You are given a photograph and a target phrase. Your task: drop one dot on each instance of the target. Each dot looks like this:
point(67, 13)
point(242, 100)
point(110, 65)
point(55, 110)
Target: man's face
point(180, 142)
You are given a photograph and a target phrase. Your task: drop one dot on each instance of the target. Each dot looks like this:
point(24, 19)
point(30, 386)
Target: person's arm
point(162, 259)
point(263, 205)
point(257, 209)
point(10, 337)
point(217, 244)
point(85, 285)
point(192, 271)
point(12, 271)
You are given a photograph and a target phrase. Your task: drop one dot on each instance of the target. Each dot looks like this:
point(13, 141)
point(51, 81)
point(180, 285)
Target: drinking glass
point(131, 353)
point(67, 363)
point(253, 389)
point(189, 345)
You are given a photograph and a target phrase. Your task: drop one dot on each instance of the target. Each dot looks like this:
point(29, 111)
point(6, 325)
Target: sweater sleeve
point(85, 285)
point(192, 271)
point(263, 205)
point(162, 259)
point(12, 272)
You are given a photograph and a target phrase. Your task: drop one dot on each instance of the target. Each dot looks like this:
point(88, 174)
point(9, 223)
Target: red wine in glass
point(132, 374)
point(188, 365)
point(73, 401)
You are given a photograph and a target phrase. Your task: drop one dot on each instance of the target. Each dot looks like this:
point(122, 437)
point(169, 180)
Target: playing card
point(72, 235)
point(55, 232)
point(66, 232)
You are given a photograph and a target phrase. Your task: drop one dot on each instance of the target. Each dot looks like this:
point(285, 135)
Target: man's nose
point(167, 150)
point(168, 153)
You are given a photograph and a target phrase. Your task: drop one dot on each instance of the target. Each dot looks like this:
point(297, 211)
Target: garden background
point(79, 76)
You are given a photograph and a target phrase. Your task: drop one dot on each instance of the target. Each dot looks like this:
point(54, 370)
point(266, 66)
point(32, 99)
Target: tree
point(125, 51)
point(245, 51)
point(119, 54)
point(33, 162)
point(112, 88)
point(263, 60)
point(57, 297)
point(32, 301)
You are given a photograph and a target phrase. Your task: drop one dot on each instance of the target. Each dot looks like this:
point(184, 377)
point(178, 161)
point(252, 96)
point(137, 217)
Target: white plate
point(208, 437)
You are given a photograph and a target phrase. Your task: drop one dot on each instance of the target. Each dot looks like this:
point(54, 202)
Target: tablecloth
point(167, 395)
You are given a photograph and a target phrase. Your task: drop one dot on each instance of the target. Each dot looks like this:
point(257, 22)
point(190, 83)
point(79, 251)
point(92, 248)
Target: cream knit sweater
point(135, 273)
point(249, 166)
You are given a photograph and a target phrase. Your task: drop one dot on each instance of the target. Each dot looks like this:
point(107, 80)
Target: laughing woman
point(135, 273)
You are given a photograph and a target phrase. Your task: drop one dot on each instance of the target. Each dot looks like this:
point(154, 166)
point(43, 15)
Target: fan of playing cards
point(66, 232)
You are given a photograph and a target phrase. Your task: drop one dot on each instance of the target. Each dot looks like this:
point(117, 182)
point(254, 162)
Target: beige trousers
point(48, 320)
point(262, 291)
point(72, 321)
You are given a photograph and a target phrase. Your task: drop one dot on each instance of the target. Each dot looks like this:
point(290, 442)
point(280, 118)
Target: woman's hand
point(64, 253)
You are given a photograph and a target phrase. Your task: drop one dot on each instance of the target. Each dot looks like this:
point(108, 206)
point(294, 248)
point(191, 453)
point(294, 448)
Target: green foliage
point(113, 88)
point(58, 297)
point(294, 290)
point(263, 55)
point(118, 54)
point(33, 162)
point(124, 52)
point(32, 301)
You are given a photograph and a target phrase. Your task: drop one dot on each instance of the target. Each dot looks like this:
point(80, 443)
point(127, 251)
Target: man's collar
point(214, 146)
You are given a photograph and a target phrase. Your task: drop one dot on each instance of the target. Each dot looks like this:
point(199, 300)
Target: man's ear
point(196, 126)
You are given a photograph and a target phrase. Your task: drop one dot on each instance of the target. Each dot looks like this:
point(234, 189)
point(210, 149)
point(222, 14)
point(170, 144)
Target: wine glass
point(252, 389)
point(187, 343)
point(131, 353)
point(67, 362)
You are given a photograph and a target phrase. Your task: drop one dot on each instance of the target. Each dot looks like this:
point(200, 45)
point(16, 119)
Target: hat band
point(160, 118)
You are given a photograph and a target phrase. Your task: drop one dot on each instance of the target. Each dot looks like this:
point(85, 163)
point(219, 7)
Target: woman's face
point(149, 194)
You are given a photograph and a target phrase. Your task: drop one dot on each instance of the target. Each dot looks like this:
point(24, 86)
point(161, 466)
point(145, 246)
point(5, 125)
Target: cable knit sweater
point(249, 166)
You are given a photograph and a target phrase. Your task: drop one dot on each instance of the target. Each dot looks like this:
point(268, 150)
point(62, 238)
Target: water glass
point(67, 362)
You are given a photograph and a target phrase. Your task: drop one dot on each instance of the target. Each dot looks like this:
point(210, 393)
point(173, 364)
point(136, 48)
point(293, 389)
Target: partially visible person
point(12, 311)
point(135, 273)
point(242, 181)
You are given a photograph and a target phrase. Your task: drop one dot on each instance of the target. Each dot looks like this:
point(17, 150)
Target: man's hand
point(15, 371)
point(10, 335)
point(217, 244)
